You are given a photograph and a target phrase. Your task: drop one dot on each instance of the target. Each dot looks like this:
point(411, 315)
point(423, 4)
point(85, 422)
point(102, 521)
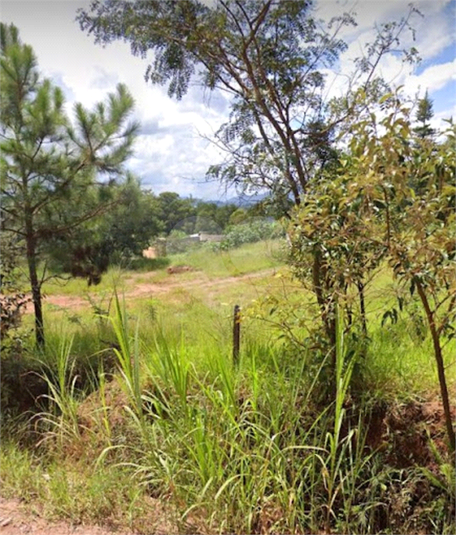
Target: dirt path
point(151, 289)
point(16, 519)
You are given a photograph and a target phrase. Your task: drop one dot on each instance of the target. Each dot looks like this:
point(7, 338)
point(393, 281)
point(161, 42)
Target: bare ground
point(20, 518)
point(135, 289)
point(17, 519)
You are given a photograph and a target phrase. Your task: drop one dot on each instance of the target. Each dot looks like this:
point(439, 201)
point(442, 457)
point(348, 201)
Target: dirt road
point(152, 289)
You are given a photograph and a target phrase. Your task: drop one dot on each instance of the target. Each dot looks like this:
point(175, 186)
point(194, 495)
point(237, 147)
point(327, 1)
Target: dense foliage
point(251, 231)
point(392, 199)
point(320, 425)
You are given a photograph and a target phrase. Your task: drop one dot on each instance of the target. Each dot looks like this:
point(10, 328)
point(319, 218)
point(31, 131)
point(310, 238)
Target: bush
point(251, 232)
point(140, 263)
point(179, 242)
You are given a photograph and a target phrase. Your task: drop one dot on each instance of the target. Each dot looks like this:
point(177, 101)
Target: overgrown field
point(136, 416)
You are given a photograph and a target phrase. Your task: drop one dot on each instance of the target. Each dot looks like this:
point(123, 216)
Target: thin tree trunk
point(36, 290)
point(317, 279)
point(440, 365)
point(327, 312)
point(362, 307)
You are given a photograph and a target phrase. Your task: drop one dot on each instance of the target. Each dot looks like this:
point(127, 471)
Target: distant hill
point(242, 200)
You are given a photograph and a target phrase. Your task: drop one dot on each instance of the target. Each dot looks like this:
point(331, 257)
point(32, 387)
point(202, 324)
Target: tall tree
point(270, 56)
point(175, 212)
point(48, 164)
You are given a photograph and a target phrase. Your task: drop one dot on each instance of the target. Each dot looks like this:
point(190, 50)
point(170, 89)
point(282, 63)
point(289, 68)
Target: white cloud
point(434, 33)
point(433, 78)
point(434, 25)
point(171, 148)
point(88, 72)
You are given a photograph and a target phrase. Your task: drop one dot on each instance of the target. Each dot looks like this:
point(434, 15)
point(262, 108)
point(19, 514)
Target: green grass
point(198, 310)
point(248, 449)
point(72, 490)
point(235, 450)
point(114, 278)
point(247, 258)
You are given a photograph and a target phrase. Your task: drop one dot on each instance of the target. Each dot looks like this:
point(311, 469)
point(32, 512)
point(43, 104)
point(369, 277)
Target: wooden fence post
point(236, 334)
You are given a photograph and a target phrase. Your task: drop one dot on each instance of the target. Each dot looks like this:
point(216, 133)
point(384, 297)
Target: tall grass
point(238, 449)
point(60, 418)
point(246, 448)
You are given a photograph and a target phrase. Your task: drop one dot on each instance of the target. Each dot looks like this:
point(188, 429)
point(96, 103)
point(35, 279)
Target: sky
point(174, 148)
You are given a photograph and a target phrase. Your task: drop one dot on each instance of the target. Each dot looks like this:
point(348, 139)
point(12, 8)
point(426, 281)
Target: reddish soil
point(19, 518)
point(16, 519)
point(403, 432)
point(151, 289)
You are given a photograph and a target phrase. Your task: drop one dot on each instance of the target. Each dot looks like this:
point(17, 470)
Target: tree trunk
point(327, 311)
point(362, 307)
point(440, 364)
point(36, 289)
point(318, 281)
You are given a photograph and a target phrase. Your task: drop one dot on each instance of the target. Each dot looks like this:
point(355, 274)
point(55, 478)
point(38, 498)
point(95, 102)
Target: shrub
point(251, 232)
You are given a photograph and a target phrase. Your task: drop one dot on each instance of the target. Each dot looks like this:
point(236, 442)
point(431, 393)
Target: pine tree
point(423, 115)
point(47, 164)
